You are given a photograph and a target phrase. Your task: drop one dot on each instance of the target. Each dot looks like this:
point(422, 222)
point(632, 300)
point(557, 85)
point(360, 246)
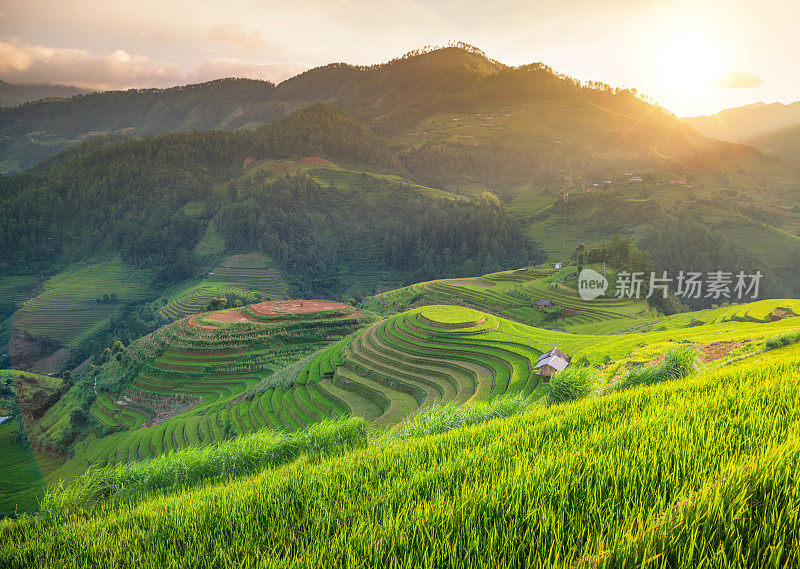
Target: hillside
point(515, 294)
point(314, 195)
point(286, 365)
point(13, 95)
point(443, 164)
point(784, 143)
point(747, 122)
point(36, 130)
point(598, 126)
point(773, 129)
point(697, 467)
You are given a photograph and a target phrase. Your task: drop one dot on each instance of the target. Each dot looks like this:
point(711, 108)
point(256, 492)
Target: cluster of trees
point(138, 318)
point(316, 232)
point(127, 196)
point(618, 252)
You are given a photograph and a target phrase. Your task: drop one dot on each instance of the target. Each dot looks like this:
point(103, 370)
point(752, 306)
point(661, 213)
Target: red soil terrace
point(279, 307)
point(271, 308)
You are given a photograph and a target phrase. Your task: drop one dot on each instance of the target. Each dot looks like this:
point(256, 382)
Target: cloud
point(116, 70)
point(121, 70)
point(235, 34)
point(229, 67)
point(159, 37)
point(739, 80)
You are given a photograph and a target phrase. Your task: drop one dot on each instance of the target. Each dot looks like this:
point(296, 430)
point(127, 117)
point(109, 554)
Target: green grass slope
point(203, 380)
point(514, 295)
point(697, 472)
point(23, 472)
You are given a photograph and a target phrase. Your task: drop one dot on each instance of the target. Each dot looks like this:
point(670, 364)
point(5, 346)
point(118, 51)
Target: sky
point(692, 57)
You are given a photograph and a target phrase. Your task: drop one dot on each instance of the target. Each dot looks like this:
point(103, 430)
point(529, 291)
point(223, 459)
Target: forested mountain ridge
point(35, 130)
point(12, 95)
point(392, 99)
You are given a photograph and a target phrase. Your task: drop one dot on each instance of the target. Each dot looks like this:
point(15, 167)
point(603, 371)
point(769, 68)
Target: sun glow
point(690, 65)
point(692, 60)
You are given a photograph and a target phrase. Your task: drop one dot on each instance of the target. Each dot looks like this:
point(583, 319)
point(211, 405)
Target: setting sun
point(691, 59)
point(689, 66)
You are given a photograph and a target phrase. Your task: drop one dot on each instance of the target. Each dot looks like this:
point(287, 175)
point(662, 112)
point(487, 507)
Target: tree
point(580, 256)
point(78, 417)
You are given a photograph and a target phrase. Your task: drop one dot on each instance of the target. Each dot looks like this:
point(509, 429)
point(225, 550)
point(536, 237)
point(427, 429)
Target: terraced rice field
point(288, 364)
point(190, 379)
point(195, 298)
point(67, 308)
point(246, 275)
point(514, 294)
point(434, 354)
point(760, 311)
point(12, 288)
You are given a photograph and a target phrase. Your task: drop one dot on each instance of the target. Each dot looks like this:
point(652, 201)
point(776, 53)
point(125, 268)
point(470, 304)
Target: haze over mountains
point(773, 128)
point(391, 99)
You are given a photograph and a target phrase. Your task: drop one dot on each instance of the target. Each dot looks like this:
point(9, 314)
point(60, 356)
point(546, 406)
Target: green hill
point(285, 365)
point(448, 122)
point(515, 294)
point(12, 95)
point(688, 472)
point(39, 129)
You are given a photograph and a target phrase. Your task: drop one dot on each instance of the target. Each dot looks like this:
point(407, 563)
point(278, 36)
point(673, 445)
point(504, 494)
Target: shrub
point(573, 383)
point(678, 362)
point(442, 418)
point(782, 340)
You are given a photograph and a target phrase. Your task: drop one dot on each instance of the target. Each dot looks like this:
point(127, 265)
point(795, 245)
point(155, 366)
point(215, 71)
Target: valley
point(377, 316)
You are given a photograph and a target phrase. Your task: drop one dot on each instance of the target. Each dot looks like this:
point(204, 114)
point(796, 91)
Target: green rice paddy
point(188, 381)
point(250, 276)
point(514, 295)
point(695, 472)
point(66, 309)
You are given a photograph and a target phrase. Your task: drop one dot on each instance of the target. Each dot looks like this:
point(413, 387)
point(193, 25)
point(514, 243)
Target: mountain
point(34, 131)
point(773, 129)
point(12, 95)
point(750, 121)
point(784, 143)
point(558, 123)
point(438, 164)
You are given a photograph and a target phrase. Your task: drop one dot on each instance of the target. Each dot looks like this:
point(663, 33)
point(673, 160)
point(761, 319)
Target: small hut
point(551, 362)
